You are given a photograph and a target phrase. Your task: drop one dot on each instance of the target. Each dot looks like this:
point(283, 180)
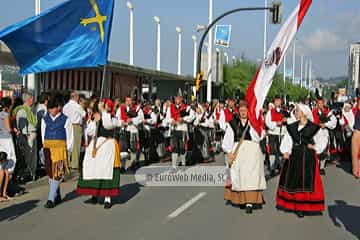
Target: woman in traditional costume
point(300, 187)
point(100, 175)
point(246, 163)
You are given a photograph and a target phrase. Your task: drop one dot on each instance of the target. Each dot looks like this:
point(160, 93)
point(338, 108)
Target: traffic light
point(198, 81)
point(276, 12)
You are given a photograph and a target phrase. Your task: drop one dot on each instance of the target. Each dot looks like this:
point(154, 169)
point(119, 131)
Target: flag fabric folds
point(73, 34)
point(261, 83)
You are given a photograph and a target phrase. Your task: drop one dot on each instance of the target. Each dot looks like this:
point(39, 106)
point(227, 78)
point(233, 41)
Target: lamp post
point(209, 72)
point(265, 29)
point(158, 41)
point(179, 31)
point(194, 38)
point(301, 70)
point(294, 61)
point(226, 58)
point(284, 71)
point(131, 51)
point(37, 7)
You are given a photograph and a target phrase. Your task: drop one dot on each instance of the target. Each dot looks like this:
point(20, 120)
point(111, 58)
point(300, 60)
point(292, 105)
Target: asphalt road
point(146, 213)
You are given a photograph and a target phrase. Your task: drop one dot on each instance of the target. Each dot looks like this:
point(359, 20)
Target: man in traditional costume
point(132, 117)
point(246, 161)
point(150, 133)
point(100, 176)
point(180, 115)
point(203, 134)
point(300, 187)
point(275, 121)
point(226, 116)
point(57, 137)
point(324, 118)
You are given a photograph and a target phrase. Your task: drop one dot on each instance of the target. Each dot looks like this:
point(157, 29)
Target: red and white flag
point(261, 83)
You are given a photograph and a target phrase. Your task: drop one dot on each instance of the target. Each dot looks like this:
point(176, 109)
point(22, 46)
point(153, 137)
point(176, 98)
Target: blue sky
point(324, 36)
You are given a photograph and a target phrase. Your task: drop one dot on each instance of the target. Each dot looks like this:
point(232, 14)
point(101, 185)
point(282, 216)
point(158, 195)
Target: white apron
point(247, 171)
point(102, 166)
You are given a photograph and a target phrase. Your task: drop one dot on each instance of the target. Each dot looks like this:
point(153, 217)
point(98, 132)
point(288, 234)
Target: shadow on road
point(128, 191)
point(13, 212)
point(345, 166)
point(347, 216)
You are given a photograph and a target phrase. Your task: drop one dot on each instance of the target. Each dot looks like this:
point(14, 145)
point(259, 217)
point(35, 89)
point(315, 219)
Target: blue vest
point(55, 130)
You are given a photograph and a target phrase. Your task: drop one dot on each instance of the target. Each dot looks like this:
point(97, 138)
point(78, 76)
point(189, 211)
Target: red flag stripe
point(304, 7)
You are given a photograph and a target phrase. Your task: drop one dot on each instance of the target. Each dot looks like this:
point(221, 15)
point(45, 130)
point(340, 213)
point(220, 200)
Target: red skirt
point(303, 201)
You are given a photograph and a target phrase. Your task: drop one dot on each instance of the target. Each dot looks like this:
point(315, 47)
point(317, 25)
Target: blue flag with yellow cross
point(73, 34)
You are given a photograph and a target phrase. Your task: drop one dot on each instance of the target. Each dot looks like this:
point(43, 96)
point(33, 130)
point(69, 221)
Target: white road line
point(186, 205)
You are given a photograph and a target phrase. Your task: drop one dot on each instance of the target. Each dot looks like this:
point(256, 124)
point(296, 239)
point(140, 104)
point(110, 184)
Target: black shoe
point(300, 214)
point(58, 199)
point(93, 200)
point(249, 209)
point(49, 204)
point(107, 205)
point(273, 173)
point(322, 172)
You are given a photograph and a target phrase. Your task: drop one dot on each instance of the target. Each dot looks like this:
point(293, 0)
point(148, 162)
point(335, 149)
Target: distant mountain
point(333, 80)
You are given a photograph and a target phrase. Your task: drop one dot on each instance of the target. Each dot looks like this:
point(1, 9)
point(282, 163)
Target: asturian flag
point(261, 83)
point(73, 34)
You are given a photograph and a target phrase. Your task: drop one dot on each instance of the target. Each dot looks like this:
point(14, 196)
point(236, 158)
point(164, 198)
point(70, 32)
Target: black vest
point(103, 132)
point(239, 129)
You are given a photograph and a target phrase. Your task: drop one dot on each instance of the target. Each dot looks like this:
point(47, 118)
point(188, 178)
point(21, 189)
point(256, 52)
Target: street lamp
point(194, 38)
point(37, 7)
point(265, 29)
point(294, 61)
point(158, 56)
point(209, 77)
point(131, 52)
point(226, 58)
point(301, 71)
point(200, 28)
point(179, 31)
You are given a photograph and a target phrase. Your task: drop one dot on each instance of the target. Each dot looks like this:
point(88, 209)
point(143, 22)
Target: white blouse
point(228, 141)
point(320, 139)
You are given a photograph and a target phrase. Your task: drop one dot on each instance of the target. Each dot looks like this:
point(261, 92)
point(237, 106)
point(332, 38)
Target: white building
point(354, 68)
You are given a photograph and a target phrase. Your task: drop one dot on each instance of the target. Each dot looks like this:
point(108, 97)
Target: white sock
point(272, 162)
point(108, 199)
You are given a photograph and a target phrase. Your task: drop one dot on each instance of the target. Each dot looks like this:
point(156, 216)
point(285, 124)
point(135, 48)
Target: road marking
point(186, 205)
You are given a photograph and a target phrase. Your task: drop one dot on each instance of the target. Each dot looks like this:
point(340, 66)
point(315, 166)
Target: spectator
point(26, 123)
point(4, 176)
point(7, 151)
point(41, 111)
point(75, 114)
point(356, 145)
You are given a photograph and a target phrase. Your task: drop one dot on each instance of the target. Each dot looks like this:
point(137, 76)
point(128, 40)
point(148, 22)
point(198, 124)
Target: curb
point(44, 181)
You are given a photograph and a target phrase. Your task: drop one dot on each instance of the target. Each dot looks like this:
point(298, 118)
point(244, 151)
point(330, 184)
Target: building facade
point(354, 68)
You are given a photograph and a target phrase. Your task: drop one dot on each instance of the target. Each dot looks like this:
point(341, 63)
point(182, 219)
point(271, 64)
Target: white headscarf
point(306, 110)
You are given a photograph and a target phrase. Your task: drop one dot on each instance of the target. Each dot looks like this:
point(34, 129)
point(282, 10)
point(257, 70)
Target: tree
point(241, 74)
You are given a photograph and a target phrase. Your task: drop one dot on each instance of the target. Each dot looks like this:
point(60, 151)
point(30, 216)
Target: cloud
point(322, 41)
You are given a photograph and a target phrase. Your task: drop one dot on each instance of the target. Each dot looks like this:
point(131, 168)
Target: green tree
point(240, 74)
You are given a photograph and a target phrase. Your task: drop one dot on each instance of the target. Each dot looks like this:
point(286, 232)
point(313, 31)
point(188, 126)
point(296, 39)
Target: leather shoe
point(107, 205)
point(49, 204)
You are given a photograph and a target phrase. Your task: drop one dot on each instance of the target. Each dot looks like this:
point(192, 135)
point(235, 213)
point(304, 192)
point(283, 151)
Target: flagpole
point(94, 150)
point(103, 81)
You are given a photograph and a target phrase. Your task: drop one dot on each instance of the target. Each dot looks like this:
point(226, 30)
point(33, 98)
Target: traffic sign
point(222, 35)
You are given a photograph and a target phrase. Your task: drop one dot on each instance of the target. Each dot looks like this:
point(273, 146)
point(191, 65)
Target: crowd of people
point(102, 138)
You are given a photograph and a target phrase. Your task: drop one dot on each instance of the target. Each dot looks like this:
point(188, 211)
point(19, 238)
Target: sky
point(324, 37)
